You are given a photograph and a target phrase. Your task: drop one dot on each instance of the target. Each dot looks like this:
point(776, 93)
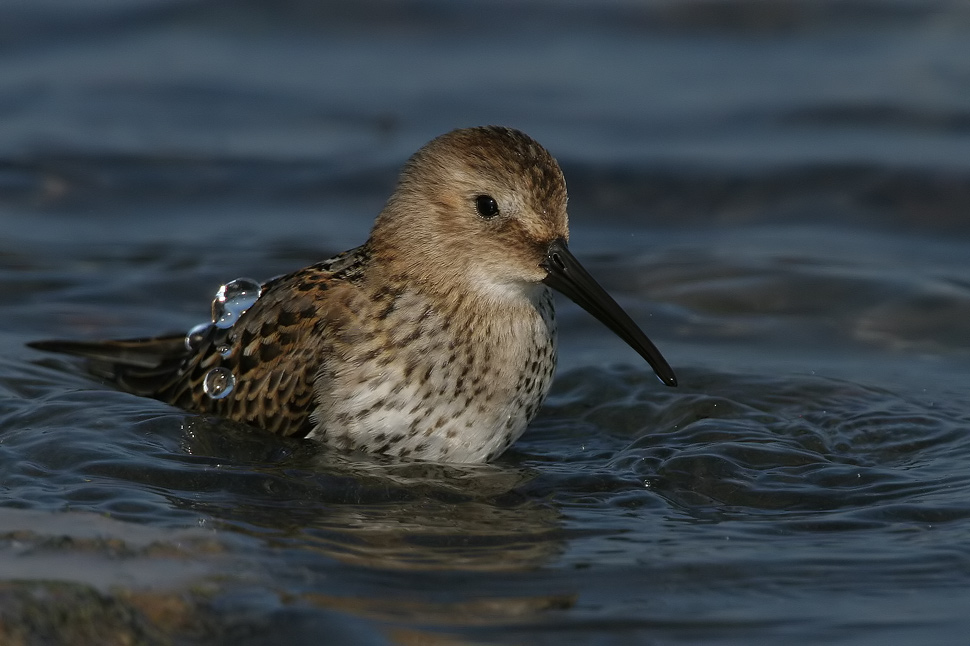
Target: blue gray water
point(778, 192)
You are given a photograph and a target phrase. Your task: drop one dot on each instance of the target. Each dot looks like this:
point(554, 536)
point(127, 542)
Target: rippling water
point(777, 191)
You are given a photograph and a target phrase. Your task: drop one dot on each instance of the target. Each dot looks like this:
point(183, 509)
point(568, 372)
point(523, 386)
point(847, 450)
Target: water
point(232, 300)
point(776, 191)
point(218, 383)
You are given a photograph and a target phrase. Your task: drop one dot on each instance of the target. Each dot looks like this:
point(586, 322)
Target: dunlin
point(434, 340)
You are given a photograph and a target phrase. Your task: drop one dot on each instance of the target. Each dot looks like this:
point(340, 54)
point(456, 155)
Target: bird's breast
point(454, 382)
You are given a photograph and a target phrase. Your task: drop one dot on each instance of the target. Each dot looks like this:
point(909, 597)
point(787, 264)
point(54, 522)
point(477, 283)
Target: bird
point(434, 340)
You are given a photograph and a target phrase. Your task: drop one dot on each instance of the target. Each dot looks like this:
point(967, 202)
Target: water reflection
point(472, 612)
point(372, 511)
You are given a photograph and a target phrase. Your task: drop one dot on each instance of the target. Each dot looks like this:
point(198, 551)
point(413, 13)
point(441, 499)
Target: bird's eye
point(486, 206)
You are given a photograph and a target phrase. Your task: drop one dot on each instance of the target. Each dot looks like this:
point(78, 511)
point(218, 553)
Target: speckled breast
point(448, 383)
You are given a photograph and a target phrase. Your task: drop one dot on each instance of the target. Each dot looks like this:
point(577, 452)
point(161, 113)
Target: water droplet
point(218, 383)
point(232, 300)
point(225, 350)
point(195, 336)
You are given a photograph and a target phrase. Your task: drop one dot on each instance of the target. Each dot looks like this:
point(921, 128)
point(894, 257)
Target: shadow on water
point(374, 512)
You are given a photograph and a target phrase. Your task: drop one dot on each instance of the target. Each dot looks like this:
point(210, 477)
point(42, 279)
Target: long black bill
point(569, 277)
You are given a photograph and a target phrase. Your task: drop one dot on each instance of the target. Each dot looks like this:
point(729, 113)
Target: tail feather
point(141, 366)
point(137, 353)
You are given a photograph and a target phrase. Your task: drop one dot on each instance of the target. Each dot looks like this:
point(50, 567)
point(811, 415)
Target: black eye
point(486, 206)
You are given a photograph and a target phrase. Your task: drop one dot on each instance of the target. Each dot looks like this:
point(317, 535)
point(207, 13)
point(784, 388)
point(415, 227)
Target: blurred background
point(668, 114)
point(778, 191)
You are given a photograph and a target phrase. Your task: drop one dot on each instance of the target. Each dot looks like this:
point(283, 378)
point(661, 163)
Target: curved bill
point(569, 277)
